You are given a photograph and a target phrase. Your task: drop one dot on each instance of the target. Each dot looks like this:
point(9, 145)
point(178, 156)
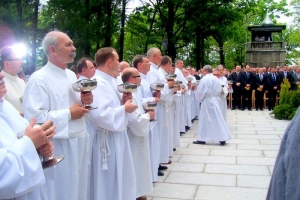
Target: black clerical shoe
point(162, 167)
point(160, 173)
point(222, 142)
point(187, 128)
point(199, 142)
point(174, 149)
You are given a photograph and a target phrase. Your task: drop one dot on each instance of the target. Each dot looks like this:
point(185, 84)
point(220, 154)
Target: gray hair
point(49, 39)
point(220, 67)
point(207, 68)
point(152, 51)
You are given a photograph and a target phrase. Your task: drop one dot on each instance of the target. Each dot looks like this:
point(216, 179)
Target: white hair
point(50, 39)
point(207, 68)
point(152, 51)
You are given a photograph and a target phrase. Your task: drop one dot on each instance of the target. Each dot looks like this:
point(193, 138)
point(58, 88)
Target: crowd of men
point(114, 148)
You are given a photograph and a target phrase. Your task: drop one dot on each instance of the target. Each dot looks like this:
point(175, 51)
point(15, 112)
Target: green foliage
point(289, 102)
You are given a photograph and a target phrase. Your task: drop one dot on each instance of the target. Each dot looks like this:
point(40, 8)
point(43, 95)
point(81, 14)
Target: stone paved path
point(240, 170)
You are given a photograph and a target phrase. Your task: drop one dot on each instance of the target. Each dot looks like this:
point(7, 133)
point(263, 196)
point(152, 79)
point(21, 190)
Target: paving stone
point(255, 161)
point(237, 169)
point(258, 136)
point(202, 179)
point(211, 145)
point(179, 191)
point(271, 132)
point(216, 152)
point(251, 181)
point(244, 132)
point(175, 157)
point(270, 141)
point(243, 141)
point(266, 128)
point(188, 151)
point(230, 193)
point(207, 159)
point(185, 167)
point(272, 154)
point(258, 147)
point(161, 179)
point(184, 144)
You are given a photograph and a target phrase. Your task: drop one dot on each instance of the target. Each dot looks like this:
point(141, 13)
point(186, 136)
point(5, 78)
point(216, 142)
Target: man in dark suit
point(259, 83)
point(236, 78)
point(246, 84)
point(296, 77)
point(273, 81)
point(285, 74)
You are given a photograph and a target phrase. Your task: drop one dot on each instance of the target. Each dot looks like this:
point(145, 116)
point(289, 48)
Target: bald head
point(154, 55)
point(123, 65)
point(131, 75)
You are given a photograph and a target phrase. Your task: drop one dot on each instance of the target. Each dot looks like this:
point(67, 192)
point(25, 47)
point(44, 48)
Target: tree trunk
point(171, 51)
point(19, 33)
point(148, 33)
point(87, 45)
point(107, 36)
point(34, 34)
point(221, 52)
point(122, 34)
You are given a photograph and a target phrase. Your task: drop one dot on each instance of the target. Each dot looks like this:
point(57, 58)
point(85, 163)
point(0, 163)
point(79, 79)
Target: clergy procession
point(107, 131)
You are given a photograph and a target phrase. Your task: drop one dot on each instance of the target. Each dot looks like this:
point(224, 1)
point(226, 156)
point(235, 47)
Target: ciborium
point(83, 86)
point(189, 78)
point(170, 77)
point(127, 88)
point(149, 106)
point(157, 86)
point(48, 162)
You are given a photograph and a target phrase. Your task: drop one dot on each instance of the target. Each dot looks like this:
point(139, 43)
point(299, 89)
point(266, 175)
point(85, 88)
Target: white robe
point(182, 111)
point(21, 172)
point(138, 133)
point(48, 96)
point(15, 90)
point(212, 126)
point(223, 97)
point(194, 104)
point(156, 75)
point(112, 172)
point(147, 96)
point(176, 121)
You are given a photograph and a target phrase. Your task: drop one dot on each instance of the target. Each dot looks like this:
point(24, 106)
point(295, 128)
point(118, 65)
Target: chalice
point(127, 88)
point(83, 86)
point(149, 106)
point(48, 162)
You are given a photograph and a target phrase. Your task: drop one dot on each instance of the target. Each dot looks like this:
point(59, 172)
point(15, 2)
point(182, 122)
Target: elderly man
point(123, 65)
point(141, 63)
point(212, 126)
point(21, 172)
point(11, 64)
point(138, 132)
point(236, 79)
point(49, 95)
point(178, 71)
point(112, 172)
point(157, 76)
point(86, 68)
point(259, 84)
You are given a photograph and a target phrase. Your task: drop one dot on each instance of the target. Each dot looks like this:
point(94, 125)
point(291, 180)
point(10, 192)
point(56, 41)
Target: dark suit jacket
point(234, 78)
point(289, 77)
point(273, 83)
point(257, 82)
point(247, 79)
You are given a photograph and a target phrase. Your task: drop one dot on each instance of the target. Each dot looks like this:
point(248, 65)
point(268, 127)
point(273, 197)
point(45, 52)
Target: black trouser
point(236, 95)
point(259, 99)
point(272, 98)
point(247, 98)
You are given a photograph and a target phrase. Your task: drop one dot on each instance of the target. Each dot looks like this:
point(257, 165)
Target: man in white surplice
point(180, 77)
point(188, 94)
point(212, 126)
point(49, 95)
point(154, 76)
point(226, 89)
point(21, 172)
point(142, 64)
point(11, 65)
point(112, 172)
point(138, 133)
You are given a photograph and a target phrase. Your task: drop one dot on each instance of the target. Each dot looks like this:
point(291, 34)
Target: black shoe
point(162, 167)
point(187, 128)
point(261, 109)
point(232, 108)
point(222, 142)
point(269, 109)
point(256, 109)
point(160, 173)
point(199, 142)
point(193, 120)
point(250, 109)
point(174, 149)
point(181, 133)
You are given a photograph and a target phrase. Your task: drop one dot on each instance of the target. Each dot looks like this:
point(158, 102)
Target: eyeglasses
point(136, 76)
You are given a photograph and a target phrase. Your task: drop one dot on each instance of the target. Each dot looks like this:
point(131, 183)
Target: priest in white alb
point(112, 173)
point(21, 173)
point(49, 95)
point(212, 126)
point(11, 64)
point(138, 133)
point(142, 64)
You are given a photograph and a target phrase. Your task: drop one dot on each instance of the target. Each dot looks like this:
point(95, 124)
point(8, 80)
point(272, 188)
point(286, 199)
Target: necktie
point(274, 77)
point(260, 77)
